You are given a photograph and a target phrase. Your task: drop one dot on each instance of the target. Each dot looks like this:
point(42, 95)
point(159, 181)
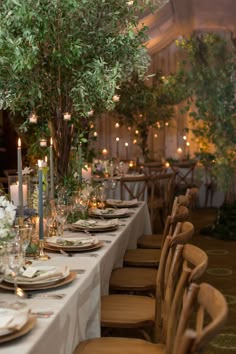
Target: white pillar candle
point(86, 173)
point(14, 194)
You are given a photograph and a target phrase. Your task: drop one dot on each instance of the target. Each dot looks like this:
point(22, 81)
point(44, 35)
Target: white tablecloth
point(77, 316)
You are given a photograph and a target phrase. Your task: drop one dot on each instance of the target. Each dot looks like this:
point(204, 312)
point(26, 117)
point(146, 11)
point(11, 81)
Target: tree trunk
point(62, 134)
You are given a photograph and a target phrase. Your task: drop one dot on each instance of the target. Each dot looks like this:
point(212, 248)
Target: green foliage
point(208, 75)
point(225, 227)
point(67, 56)
point(143, 106)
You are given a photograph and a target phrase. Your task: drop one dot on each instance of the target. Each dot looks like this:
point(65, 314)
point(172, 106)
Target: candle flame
point(40, 163)
point(51, 141)
point(19, 143)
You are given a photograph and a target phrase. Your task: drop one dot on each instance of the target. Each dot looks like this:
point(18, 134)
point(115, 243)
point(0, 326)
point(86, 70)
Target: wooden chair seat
point(150, 241)
point(179, 213)
point(140, 257)
point(133, 279)
point(126, 312)
point(118, 346)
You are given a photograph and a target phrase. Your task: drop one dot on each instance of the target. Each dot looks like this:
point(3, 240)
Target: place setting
point(16, 320)
point(69, 243)
point(118, 203)
point(91, 225)
point(37, 277)
point(109, 213)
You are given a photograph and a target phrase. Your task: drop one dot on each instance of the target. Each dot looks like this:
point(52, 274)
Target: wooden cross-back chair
point(132, 311)
point(142, 279)
point(141, 257)
point(179, 213)
point(107, 345)
point(161, 195)
point(133, 187)
point(200, 302)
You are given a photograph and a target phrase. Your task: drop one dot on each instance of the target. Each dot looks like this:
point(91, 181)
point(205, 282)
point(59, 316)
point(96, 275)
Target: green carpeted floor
point(221, 273)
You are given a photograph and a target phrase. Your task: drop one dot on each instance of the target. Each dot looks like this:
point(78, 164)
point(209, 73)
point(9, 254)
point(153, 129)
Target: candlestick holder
point(42, 255)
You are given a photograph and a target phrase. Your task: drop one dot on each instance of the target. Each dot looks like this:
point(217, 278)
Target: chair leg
point(145, 334)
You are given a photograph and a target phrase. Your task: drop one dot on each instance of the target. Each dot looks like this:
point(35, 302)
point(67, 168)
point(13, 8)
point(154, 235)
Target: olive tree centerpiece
point(66, 56)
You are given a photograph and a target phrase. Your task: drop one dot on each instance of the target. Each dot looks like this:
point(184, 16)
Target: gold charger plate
point(21, 332)
point(99, 244)
point(93, 229)
point(31, 287)
point(121, 203)
point(109, 216)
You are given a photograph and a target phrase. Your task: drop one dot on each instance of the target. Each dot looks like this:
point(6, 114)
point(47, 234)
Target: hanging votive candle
point(43, 142)
point(116, 98)
point(91, 113)
point(33, 119)
point(117, 125)
point(67, 116)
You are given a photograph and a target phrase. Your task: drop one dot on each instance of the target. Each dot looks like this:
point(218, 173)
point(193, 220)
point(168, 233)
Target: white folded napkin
point(12, 319)
point(39, 273)
point(96, 224)
point(118, 202)
point(72, 241)
point(110, 211)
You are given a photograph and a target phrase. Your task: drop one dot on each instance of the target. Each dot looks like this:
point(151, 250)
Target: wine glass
point(15, 259)
point(2, 261)
point(62, 213)
point(24, 233)
point(102, 189)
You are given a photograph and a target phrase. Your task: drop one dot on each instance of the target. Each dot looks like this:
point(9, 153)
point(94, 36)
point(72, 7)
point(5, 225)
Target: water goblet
point(24, 233)
point(62, 214)
point(2, 261)
point(14, 259)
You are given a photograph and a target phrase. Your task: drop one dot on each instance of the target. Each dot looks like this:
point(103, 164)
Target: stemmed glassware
point(102, 191)
point(23, 234)
point(62, 211)
point(2, 262)
point(15, 259)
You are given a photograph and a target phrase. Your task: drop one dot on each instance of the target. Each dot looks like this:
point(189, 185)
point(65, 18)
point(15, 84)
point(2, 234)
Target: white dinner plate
point(109, 213)
point(11, 319)
point(69, 242)
point(117, 203)
point(54, 274)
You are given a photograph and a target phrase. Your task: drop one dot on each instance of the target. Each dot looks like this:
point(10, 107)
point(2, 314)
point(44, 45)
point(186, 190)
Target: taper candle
point(40, 199)
point(20, 186)
point(127, 151)
point(51, 170)
point(117, 147)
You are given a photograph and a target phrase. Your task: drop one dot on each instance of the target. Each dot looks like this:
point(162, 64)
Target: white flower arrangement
point(7, 216)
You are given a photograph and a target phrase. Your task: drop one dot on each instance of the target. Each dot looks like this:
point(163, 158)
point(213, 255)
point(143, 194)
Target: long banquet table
point(76, 317)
